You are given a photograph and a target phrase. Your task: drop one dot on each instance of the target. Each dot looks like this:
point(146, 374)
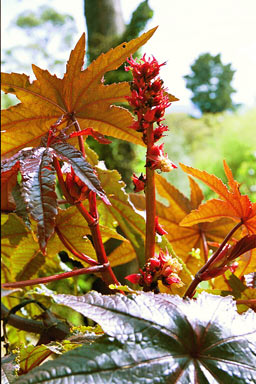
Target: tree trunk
point(104, 24)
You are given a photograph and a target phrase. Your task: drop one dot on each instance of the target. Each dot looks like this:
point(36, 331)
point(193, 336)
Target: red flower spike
point(158, 228)
point(145, 68)
point(160, 267)
point(139, 182)
point(158, 132)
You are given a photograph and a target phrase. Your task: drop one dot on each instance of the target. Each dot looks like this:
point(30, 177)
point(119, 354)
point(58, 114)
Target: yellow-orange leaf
point(183, 239)
point(213, 210)
point(196, 194)
point(231, 203)
point(80, 93)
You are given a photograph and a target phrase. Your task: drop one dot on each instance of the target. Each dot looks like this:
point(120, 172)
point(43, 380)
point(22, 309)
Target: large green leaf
point(157, 339)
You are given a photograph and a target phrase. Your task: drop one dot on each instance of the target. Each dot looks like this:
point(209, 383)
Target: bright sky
point(186, 29)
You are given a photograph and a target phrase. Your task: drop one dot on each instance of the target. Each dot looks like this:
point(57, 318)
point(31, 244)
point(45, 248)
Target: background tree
point(210, 83)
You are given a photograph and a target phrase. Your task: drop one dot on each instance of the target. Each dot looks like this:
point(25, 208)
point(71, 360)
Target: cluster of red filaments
point(149, 101)
point(162, 267)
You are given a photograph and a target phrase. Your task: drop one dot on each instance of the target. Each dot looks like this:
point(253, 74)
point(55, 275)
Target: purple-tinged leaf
point(82, 168)
point(9, 171)
point(38, 190)
point(153, 339)
point(20, 208)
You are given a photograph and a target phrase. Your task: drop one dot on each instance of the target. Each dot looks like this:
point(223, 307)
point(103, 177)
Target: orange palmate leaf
point(183, 239)
point(80, 94)
point(231, 203)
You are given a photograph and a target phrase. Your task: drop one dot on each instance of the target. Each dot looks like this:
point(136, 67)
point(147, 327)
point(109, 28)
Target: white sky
point(186, 29)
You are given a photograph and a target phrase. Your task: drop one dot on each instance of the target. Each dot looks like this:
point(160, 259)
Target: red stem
point(247, 302)
point(192, 287)
point(205, 246)
point(49, 279)
point(150, 201)
point(80, 138)
point(93, 205)
point(79, 255)
point(61, 181)
point(108, 275)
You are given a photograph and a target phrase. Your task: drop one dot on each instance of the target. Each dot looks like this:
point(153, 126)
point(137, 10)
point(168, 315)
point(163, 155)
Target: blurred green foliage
point(46, 36)
point(205, 142)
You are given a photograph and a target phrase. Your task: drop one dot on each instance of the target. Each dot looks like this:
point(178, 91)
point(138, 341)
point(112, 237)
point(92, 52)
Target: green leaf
point(157, 339)
point(81, 167)
point(38, 190)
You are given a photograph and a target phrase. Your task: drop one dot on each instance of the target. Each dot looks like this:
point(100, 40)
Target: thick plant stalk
point(192, 287)
point(150, 201)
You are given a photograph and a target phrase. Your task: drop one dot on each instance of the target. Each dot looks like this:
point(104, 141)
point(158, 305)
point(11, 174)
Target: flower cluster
point(161, 267)
point(76, 188)
point(149, 100)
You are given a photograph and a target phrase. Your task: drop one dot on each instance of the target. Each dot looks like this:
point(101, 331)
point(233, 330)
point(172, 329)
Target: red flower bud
point(148, 279)
point(76, 188)
point(139, 182)
point(154, 263)
point(134, 278)
point(172, 279)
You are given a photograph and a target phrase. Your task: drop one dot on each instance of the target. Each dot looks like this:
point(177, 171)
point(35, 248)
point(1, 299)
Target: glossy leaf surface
point(157, 339)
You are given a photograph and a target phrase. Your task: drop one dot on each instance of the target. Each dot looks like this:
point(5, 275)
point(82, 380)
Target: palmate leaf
point(231, 203)
point(183, 239)
point(38, 190)
point(157, 339)
point(80, 94)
